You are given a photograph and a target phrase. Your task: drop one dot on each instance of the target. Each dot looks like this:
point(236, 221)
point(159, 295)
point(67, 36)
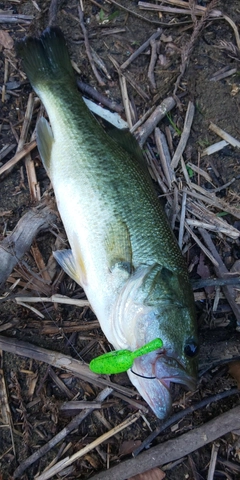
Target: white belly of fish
point(85, 222)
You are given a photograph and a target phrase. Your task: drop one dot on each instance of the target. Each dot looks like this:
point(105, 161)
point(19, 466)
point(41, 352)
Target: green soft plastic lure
point(121, 360)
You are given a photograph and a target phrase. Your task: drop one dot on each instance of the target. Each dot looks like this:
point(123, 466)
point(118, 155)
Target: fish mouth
point(170, 370)
point(153, 377)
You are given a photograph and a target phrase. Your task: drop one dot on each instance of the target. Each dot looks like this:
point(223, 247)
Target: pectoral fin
point(44, 142)
point(66, 260)
point(118, 247)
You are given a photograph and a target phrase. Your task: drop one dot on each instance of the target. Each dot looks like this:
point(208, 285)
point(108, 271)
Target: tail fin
point(46, 59)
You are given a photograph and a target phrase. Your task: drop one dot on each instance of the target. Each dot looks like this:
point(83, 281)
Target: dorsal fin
point(128, 142)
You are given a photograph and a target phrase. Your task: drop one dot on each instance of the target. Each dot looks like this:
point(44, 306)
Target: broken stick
point(176, 448)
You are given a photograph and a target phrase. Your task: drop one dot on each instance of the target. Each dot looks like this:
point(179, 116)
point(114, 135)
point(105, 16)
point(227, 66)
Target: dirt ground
point(35, 391)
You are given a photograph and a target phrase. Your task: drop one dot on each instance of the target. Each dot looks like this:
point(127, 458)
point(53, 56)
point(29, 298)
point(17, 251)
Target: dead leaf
point(128, 447)
point(234, 370)
point(153, 474)
point(5, 39)
point(92, 459)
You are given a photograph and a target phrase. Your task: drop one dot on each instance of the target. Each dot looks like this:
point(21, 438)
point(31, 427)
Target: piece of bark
point(15, 245)
point(176, 448)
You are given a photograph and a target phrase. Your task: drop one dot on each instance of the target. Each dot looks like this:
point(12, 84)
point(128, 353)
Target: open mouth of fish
point(153, 378)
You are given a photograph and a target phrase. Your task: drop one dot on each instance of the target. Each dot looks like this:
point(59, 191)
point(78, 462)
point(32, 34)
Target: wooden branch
point(151, 123)
point(185, 11)
point(13, 247)
point(18, 156)
point(185, 135)
point(141, 49)
point(99, 97)
point(9, 18)
point(175, 449)
point(178, 417)
point(59, 360)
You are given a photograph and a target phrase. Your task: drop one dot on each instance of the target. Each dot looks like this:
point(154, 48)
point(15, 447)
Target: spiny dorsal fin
point(128, 142)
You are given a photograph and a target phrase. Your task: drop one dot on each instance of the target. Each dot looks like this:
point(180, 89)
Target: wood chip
point(221, 133)
point(6, 40)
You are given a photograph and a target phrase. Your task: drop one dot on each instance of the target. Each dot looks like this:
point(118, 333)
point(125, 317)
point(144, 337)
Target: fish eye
point(191, 348)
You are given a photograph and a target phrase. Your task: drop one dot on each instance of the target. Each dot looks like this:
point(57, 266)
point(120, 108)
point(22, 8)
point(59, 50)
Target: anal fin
point(66, 260)
point(44, 142)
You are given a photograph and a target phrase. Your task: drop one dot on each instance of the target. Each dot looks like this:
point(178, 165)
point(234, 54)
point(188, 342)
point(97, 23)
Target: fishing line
point(142, 376)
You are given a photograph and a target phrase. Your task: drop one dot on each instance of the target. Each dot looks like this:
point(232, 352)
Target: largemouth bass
point(123, 252)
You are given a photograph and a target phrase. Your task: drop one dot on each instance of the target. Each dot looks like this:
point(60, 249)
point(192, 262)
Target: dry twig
point(176, 448)
point(53, 299)
point(69, 460)
point(129, 78)
point(93, 93)
point(151, 123)
point(221, 271)
point(213, 461)
point(185, 135)
point(88, 49)
point(58, 360)
point(145, 19)
point(75, 422)
point(18, 156)
point(221, 133)
point(202, 247)
point(6, 415)
point(187, 50)
point(141, 49)
point(165, 158)
point(125, 99)
point(152, 63)
point(199, 10)
point(53, 11)
point(10, 18)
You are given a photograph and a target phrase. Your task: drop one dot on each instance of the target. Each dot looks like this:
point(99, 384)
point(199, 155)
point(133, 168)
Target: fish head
point(158, 303)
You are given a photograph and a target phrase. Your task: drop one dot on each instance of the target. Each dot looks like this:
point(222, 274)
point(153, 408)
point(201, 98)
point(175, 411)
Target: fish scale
point(123, 251)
